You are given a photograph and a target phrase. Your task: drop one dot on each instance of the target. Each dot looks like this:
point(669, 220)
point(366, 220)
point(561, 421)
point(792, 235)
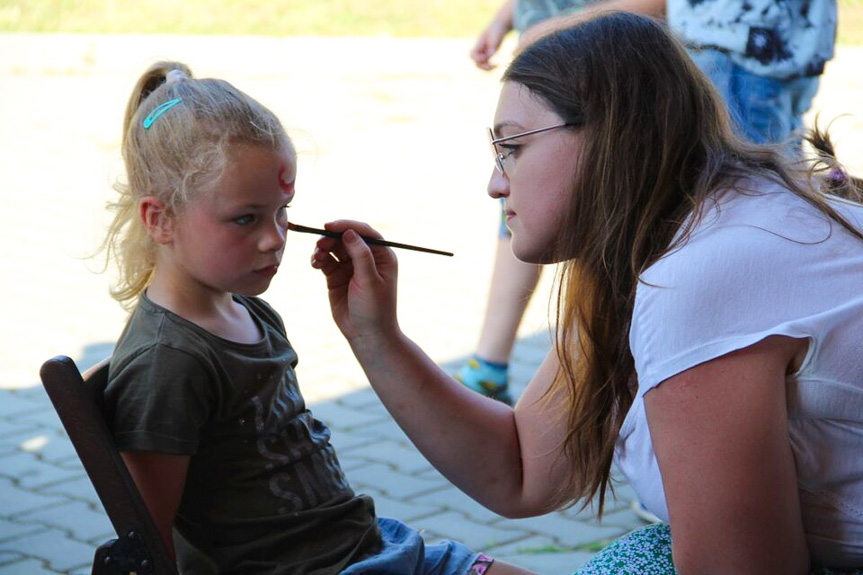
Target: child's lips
point(269, 271)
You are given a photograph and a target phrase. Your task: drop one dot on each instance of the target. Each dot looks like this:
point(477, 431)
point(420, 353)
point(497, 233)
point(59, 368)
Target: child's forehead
point(249, 171)
point(240, 156)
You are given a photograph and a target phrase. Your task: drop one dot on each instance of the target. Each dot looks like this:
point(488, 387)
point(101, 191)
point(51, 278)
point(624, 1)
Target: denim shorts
point(764, 110)
point(405, 553)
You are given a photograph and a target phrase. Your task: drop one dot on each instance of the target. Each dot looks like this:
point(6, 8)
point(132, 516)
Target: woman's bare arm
point(720, 433)
point(507, 459)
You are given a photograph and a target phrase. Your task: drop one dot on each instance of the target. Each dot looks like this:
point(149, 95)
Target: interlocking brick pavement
point(389, 131)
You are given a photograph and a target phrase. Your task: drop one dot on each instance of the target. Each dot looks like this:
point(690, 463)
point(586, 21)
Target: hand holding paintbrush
point(369, 240)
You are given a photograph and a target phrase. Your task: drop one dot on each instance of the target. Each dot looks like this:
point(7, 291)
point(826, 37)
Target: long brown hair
point(657, 143)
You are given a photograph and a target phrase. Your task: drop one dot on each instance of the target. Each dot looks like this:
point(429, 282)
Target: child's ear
point(157, 219)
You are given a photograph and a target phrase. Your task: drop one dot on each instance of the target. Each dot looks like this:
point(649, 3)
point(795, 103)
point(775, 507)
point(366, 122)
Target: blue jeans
point(405, 553)
point(764, 110)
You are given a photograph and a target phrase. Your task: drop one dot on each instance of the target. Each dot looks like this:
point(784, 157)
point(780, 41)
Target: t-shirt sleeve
point(158, 400)
point(719, 293)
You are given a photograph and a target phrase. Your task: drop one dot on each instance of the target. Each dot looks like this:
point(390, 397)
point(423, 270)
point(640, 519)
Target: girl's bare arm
point(720, 433)
point(160, 479)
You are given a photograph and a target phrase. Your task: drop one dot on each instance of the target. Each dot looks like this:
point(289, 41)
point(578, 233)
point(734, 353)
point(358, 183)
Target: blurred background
point(398, 18)
point(385, 107)
point(388, 115)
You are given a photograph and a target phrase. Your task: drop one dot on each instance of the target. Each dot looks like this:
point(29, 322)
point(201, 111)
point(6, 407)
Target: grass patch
point(596, 546)
point(435, 18)
point(400, 18)
point(850, 22)
point(550, 548)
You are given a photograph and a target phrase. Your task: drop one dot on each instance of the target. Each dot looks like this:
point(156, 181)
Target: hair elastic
point(173, 76)
point(159, 110)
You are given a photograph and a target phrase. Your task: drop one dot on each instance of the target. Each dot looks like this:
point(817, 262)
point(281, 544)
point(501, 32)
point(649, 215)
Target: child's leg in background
point(512, 284)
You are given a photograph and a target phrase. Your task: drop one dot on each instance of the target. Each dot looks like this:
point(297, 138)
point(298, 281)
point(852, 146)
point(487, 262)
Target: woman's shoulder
point(757, 223)
point(755, 264)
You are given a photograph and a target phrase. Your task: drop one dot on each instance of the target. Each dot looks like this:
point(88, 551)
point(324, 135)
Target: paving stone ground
point(388, 131)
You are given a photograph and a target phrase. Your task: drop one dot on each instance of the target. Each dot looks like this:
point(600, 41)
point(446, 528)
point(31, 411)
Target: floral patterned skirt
point(647, 551)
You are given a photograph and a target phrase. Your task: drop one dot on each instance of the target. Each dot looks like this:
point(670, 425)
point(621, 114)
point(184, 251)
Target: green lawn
point(851, 22)
point(436, 18)
point(244, 17)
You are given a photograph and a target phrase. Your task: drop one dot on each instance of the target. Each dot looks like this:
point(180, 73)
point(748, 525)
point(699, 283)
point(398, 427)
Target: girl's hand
point(361, 280)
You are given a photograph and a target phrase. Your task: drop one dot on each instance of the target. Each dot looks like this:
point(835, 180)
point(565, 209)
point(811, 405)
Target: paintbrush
point(307, 230)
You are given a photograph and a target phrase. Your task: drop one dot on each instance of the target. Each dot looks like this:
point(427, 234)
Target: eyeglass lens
point(498, 156)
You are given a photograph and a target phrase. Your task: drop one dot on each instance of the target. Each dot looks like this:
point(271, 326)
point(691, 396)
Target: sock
point(484, 376)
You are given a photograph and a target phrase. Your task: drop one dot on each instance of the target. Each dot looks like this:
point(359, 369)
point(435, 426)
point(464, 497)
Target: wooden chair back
point(78, 400)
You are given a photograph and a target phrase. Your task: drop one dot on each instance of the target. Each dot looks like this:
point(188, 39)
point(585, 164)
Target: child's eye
point(244, 220)
point(282, 214)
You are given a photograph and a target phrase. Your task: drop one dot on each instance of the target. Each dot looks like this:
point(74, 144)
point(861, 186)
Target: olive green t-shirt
point(265, 492)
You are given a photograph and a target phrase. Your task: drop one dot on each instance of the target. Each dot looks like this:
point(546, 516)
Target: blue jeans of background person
point(764, 110)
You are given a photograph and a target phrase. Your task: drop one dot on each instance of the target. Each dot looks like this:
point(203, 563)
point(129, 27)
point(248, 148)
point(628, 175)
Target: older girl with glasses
point(707, 329)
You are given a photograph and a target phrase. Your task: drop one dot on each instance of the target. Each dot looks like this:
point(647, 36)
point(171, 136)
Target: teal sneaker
point(489, 379)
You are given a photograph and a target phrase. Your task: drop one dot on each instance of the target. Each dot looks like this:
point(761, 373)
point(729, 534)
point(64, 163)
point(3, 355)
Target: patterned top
point(774, 38)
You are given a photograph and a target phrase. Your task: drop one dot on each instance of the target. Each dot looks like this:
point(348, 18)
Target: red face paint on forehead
point(286, 185)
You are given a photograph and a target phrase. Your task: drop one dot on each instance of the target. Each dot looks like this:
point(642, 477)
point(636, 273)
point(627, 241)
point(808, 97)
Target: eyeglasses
point(500, 157)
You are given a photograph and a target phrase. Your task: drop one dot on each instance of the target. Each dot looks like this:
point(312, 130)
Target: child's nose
point(274, 237)
point(498, 184)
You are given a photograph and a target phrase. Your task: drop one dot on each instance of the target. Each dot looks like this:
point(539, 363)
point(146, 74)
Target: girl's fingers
point(333, 247)
point(324, 261)
point(360, 255)
point(337, 273)
point(361, 228)
point(337, 257)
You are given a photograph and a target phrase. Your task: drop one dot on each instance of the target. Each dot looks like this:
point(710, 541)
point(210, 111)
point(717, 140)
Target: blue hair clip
point(159, 110)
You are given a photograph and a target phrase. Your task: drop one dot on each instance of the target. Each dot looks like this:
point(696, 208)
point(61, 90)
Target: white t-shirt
point(758, 265)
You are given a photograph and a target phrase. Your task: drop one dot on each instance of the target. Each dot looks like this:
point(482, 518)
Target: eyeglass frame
point(499, 158)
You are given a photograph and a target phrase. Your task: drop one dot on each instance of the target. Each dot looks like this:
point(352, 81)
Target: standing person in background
point(765, 57)
point(513, 282)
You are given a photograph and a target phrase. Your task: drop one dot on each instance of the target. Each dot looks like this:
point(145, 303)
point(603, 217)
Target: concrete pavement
point(388, 131)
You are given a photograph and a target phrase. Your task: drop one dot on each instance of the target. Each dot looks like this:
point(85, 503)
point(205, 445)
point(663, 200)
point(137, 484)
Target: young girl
point(708, 327)
point(202, 392)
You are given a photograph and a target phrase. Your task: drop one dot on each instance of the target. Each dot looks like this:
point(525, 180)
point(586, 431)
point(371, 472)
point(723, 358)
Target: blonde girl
point(202, 394)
